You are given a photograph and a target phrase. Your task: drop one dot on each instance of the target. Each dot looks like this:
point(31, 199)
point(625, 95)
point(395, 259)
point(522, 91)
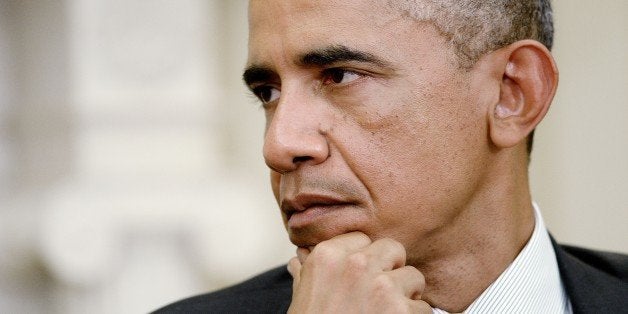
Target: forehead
point(301, 25)
point(262, 10)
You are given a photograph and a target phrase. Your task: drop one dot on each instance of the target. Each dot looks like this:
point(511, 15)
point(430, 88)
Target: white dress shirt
point(530, 284)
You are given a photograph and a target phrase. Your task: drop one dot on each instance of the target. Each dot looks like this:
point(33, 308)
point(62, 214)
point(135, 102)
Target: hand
point(351, 274)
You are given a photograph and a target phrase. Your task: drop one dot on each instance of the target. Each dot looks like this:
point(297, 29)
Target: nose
point(294, 134)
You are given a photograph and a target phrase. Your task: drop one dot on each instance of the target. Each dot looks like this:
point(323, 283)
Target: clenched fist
point(352, 274)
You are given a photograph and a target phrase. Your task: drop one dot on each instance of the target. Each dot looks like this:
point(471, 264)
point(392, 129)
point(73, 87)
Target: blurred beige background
point(130, 154)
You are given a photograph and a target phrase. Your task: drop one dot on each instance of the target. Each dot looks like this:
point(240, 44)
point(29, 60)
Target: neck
point(487, 236)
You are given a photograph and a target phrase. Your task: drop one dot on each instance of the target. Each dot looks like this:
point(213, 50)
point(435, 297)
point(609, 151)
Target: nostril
point(299, 159)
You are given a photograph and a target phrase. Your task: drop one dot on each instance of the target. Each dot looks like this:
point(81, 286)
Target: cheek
point(387, 151)
point(423, 161)
point(275, 183)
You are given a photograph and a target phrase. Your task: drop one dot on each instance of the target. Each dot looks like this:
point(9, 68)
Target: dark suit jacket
point(596, 282)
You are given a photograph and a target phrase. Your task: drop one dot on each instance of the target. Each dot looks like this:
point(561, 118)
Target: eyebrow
point(318, 58)
point(337, 53)
point(258, 73)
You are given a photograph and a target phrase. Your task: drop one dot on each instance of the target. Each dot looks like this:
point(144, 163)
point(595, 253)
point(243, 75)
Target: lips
point(304, 209)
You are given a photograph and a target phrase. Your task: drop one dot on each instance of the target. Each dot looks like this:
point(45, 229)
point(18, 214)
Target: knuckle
point(390, 242)
point(419, 277)
point(383, 285)
point(363, 237)
point(323, 252)
point(398, 247)
point(357, 262)
point(402, 306)
point(415, 274)
point(392, 305)
point(395, 246)
point(393, 249)
point(419, 306)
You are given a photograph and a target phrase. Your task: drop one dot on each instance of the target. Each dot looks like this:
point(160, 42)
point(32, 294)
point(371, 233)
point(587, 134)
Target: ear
point(528, 85)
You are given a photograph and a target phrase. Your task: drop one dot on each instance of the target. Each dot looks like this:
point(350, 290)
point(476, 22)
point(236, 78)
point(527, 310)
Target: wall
point(580, 163)
point(130, 162)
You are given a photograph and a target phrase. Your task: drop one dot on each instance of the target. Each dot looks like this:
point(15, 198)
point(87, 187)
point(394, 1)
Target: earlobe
point(527, 88)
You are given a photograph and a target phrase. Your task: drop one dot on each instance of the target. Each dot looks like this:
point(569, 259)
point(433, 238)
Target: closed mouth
point(303, 202)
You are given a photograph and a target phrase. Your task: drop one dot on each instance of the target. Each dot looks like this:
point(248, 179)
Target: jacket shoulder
point(269, 292)
point(596, 281)
point(613, 264)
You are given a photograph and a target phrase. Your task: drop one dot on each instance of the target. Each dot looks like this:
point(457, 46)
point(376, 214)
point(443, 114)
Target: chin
point(306, 237)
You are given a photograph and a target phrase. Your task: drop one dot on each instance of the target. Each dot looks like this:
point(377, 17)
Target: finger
point(302, 254)
point(387, 254)
point(410, 281)
point(420, 306)
point(347, 242)
point(294, 268)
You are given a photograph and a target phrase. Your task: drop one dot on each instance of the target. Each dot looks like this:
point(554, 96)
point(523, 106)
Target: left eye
point(266, 94)
point(339, 76)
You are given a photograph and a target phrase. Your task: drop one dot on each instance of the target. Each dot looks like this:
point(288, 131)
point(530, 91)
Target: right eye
point(266, 94)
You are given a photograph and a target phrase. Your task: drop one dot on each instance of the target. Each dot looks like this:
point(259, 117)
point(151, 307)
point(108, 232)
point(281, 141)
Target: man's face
point(371, 125)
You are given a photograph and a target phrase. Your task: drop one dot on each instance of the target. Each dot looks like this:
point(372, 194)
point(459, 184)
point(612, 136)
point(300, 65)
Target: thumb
point(294, 268)
point(303, 253)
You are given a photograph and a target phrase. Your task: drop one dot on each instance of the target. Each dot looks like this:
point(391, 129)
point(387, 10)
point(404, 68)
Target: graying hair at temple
point(475, 27)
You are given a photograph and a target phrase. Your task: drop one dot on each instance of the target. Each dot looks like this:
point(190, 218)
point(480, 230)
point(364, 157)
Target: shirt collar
point(530, 284)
